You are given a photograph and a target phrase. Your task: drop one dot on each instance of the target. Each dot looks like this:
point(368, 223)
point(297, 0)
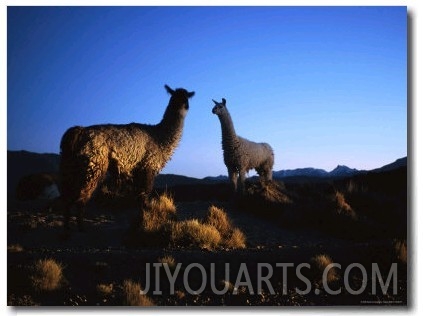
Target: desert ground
point(355, 222)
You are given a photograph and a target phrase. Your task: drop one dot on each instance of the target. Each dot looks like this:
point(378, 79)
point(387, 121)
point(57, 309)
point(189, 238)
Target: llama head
point(219, 108)
point(179, 99)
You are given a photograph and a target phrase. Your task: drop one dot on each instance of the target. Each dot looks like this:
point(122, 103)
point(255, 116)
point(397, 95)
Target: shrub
point(236, 240)
point(160, 211)
point(219, 219)
point(342, 207)
point(132, 295)
point(47, 276)
point(105, 289)
point(169, 260)
point(400, 251)
point(267, 201)
point(192, 232)
point(164, 203)
point(319, 264)
point(160, 228)
point(15, 248)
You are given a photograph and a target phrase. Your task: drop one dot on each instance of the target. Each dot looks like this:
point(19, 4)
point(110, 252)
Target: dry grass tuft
point(319, 264)
point(192, 232)
point(180, 295)
point(342, 207)
point(273, 192)
point(48, 275)
point(400, 251)
point(160, 212)
point(219, 219)
point(104, 289)
point(132, 295)
point(159, 227)
point(169, 260)
point(236, 240)
point(227, 284)
point(231, 237)
point(15, 248)
point(164, 203)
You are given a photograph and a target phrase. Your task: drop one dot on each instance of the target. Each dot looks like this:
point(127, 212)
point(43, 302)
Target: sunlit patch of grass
point(219, 219)
point(400, 251)
point(273, 192)
point(231, 237)
point(15, 248)
point(104, 289)
point(342, 207)
point(236, 240)
point(169, 260)
point(227, 284)
point(319, 264)
point(159, 227)
point(132, 295)
point(47, 276)
point(193, 233)
point(160, 211)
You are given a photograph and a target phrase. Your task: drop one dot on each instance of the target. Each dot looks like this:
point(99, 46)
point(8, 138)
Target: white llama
point(240, 154)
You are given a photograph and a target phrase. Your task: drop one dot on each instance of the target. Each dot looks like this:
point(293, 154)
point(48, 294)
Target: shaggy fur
point(240, 154)
point(132, 151)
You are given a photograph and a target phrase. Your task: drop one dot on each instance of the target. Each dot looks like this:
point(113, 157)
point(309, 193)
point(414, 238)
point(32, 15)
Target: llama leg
point(262, 176)
point(241, 182)
point(80, 186)
point(233, 177)
point(269, 174)
point(87, 189)
point(66, 201)
point(144, 182)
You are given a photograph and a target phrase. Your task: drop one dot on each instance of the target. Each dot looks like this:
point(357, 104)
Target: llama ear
point(169, 90)
point(191, 94)
point(224, 101)
point(215, 102)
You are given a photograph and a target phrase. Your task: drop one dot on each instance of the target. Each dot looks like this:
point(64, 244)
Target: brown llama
point(133, 151)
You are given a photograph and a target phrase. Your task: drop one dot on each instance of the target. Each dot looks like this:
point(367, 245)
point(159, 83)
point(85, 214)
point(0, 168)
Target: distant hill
point(22, 163)
point(402, 162)
point(169, 180)
point(339, 171)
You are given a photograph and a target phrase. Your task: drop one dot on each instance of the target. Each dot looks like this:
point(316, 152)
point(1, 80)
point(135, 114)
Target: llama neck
point(170, 128)
point(228, 131)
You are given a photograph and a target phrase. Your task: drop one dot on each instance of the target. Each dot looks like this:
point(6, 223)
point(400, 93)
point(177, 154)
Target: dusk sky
point(322, 85)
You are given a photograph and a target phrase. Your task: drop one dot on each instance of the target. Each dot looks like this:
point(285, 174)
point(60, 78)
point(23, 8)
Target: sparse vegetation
point(219, 219)
point(318, 266)
point(15, 248)
point(400, 251)
point(104, 289)
point(169, 260)
point(236, 240)
point(342, 207)
point(160, 227)
point(47, 276)
point(193, 233)
point(132, 295)
point(363, 219)
point(231, 237)
point(161, 211)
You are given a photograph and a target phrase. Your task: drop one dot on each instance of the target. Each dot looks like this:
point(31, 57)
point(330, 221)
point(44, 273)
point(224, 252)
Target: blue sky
point(322, 85)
